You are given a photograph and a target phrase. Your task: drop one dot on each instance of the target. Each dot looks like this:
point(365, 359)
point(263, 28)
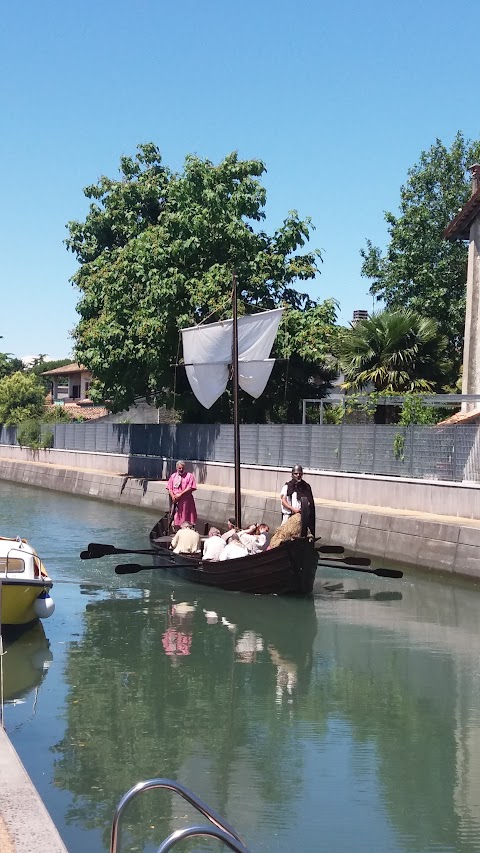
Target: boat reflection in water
point(268, 629)
point(27, 657)
point(175, 685)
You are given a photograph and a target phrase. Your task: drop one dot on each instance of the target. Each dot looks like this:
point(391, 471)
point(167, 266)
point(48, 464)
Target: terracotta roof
point(461, 418)
point(459, 228)
point(88, 413)
point(66, 369)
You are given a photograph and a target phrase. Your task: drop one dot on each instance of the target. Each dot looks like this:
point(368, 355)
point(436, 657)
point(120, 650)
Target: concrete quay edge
point(417, 539)
point(25, 823)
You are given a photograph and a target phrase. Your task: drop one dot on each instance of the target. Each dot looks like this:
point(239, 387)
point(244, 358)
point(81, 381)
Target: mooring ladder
point(220, 829)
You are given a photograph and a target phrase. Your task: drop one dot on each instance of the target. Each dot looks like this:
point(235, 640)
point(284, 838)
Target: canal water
point(350, 722)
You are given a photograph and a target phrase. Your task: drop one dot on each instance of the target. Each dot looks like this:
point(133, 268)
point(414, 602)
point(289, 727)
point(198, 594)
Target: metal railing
point(424, 452)
point(220, 829)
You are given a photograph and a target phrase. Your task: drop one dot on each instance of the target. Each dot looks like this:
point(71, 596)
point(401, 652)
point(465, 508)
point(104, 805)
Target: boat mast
point(236, 425)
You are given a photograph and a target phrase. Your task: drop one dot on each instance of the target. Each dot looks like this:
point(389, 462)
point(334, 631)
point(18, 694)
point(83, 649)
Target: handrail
point(187, 795)
point(196, 832)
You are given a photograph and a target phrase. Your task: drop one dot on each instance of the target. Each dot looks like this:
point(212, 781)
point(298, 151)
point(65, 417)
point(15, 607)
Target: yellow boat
point(24, 584)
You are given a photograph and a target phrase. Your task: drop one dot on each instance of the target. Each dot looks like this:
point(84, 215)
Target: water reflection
point(157, 680)
point(237, 696)
point(350, 725)
point(177, 639)
point(26, 660)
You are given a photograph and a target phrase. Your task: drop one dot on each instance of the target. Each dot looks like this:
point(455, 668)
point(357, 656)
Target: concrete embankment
point(429, 525)
point(25, 824)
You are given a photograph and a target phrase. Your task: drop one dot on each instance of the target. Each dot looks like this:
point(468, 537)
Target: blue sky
point(338, 100)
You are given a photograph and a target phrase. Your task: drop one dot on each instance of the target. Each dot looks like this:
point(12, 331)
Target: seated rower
point(186, 540)
point(213, 545)
point(232, 528)
point(233, 549)
point(255, 538)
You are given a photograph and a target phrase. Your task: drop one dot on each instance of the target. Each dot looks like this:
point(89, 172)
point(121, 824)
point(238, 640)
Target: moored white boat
point(24, 584)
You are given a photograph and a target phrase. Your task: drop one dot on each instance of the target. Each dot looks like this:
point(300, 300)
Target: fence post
point(374, 447)
point(454, 452)
point(412, 446)
point(340, 449)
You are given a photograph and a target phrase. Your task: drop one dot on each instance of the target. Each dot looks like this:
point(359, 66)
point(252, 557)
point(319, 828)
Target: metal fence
point(426, 452)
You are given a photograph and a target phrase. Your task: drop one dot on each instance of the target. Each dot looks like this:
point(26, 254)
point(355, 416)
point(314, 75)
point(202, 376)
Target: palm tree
point(394, 351)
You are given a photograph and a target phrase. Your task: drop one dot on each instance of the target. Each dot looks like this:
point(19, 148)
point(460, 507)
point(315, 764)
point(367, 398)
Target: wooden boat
point(209, 352)
point(288, 569)
point(24, 584)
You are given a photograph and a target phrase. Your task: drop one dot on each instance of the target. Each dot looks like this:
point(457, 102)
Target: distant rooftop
point(459, 228)
point(461, 418)
point(66, 369)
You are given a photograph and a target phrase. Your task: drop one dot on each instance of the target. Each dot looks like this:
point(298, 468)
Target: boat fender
point(44, 605)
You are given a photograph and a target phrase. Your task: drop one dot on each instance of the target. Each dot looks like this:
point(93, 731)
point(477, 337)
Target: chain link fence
point(425, 452)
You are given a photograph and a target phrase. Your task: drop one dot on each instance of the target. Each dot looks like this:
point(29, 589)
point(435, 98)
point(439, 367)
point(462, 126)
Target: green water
point(350, 722)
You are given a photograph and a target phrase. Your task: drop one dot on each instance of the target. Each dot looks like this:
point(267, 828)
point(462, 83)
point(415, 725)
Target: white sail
point(207, 352)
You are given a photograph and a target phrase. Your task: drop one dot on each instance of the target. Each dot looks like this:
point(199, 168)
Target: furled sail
point(207, 352)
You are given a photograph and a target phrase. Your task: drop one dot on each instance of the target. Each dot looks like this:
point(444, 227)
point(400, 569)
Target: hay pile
point(290, 530)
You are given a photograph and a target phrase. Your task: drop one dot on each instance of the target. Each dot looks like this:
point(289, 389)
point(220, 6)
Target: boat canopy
point(207, 352)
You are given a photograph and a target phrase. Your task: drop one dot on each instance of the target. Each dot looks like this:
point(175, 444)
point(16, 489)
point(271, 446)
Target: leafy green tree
point(22, 398)
point(394, 352)
point(416, 411)
point(156, 253)
point(8, 363)
point(420, 270)
point(56, 415)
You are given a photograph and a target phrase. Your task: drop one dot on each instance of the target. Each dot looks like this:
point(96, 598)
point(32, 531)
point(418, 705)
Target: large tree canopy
point(420, 270)
point(157, 251)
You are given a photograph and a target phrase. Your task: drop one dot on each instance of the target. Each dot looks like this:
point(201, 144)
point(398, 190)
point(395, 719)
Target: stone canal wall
point(25, 824)
point(423, 524)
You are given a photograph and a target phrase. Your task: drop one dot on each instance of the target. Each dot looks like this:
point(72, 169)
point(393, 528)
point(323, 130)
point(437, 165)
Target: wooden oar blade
point(130, 568)
point(96, 549)
point(361, 564)
point(351, 561)
point(388, 573)
point(380, 572)
point(330, 549)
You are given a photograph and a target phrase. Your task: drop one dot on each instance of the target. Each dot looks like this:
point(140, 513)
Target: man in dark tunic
point(291, 499)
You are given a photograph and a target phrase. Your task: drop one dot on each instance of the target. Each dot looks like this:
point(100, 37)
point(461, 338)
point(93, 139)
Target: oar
point(95, 550)
point(330, 549)
point(133, 568)
point(381, 572)
point(352, 561)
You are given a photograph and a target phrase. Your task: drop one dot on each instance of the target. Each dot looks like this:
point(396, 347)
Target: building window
point(75, 392)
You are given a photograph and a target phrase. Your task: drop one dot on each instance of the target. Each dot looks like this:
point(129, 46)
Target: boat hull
point(288, 569)
point(18, 600)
